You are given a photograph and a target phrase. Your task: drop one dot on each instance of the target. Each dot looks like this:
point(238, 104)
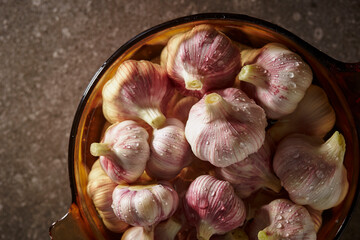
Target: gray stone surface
point(49, 50)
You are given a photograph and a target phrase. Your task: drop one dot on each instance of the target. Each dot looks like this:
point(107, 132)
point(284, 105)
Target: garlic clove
point(312, 171)
point(280, 77)
point(200, 60)
point(182, 108)
point(133, 79)
point(169, 150)
point(136, 233)
point(99, 189)
point(123, 151)
point(212, 206)
point(253, 173)
point(167, 230)
point(313, 116)
point(144, 205)
point(316, 216)
point(225, 126)
point(282, 219)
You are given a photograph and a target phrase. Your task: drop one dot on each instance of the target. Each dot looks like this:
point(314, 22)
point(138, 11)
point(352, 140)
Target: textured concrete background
point(49, 50)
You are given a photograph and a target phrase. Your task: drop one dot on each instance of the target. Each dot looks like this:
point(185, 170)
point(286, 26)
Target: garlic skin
point(279, 75)
point(313, 116)
point(99, 189)
point(282, 219)
point(253, 173)
point(167, 230)
point(200, 60)
point(311, 171)
point(135, 233)
point(212, 206)
point(316, 216)
point(133, 79)
point(144, 205)
point(182, 108)
point(225, 126)
point(169, 151)
point(123, 151)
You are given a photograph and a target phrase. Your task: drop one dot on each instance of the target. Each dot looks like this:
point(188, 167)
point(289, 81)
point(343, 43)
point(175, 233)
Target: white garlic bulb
point(225, 126)
point(169, 150)
point(144, 205)
point(123, 152)
point(282, 219)
point(280, 78)
point(138, 90)
point(311, 171)
point(313, 116)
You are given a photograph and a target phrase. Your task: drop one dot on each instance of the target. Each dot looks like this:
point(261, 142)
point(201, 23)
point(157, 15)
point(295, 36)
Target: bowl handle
point(70, 227)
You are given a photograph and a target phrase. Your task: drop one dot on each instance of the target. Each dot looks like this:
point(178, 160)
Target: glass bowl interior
point(89, 122)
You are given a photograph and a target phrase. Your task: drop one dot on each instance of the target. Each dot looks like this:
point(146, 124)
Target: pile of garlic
point(211, 166)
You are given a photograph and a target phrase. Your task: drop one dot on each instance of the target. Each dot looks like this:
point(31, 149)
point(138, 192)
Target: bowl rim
point(321, 58)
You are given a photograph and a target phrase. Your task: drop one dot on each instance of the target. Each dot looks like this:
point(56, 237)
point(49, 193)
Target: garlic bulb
point(144, 205)
point(212, 206)
point(225, 126)
point(182, 108)
point(169, 150)
point(167, 230)
point(123, 152)
point(312, 171)
point(200, 60)
point(137, 233)
point(280, 77)
point(313, 116)
point(99, 189)
point(282, 219)
point(138, 90)
point(253, 173)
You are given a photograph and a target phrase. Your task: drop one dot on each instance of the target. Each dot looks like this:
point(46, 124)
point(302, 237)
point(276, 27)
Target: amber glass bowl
point(341, 81)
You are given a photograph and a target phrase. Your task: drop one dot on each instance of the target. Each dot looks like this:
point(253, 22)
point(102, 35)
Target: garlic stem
point(335, 146)
point(153, 116)
point(100, 149)
point(262, 235)
point(204, 231)
point(253, 74)
point(273, 183)
point(216, 106)
point(193, 84)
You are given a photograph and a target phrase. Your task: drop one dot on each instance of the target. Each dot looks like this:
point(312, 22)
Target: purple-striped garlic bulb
point(313, 116)
point(181, 109)
point(99, 189)
point(169, 150)
point(225, 126)
point(253, 173)
point(200, 60)
point(282, 219)
point(212, 207)
point(138, 90)
point(311, 171)
point(167, 230)
point(123, 151)
point(279, 75)
point(144, 205)
point(135, 233)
